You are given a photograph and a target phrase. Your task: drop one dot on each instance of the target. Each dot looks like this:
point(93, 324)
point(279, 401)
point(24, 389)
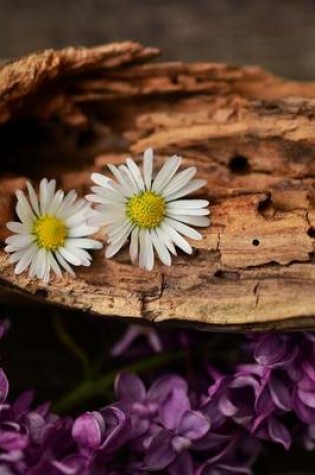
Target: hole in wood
point(311, 232)
point(255, 242)
point(239, 165)
point(41, 293)
point(220, 274)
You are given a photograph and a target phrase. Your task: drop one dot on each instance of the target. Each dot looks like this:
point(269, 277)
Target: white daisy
point(149, 210)
point(51, 233)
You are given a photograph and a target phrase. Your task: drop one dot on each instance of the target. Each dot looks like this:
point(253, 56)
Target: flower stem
point(67, 340)
point(98, 386)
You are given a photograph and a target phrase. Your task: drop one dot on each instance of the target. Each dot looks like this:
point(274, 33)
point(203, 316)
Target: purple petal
point(309, 368)
point(11, 456)
point(279, 433)
point(22, 404)
point(132, 333)
point(307, 397)
point(226, 407)
point(270, 350)
point(305, 413)
point(182, 465)
point(280, 394)
point(64, 468)
point(35, 424)
point(193, 425)
point(43, 409)
point(154, 340)
point(12, 441)
point(117, 428)
point(160, 452)
point(139, 426)
point(129, 387)
point(4, 386)
point(264, 403)
point(173, 408)
point(161, 388)
point(242, 380)
point(88, 429)
point(77, 463)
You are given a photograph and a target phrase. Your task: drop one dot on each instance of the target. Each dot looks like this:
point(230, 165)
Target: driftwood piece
point(251, 135)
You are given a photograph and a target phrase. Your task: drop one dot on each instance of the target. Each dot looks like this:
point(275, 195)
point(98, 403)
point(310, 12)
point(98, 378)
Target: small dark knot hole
point(239, 165)
point(255, 242)
point(311, 232)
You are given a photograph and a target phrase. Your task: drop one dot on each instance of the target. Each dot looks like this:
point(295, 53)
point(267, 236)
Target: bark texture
point(66, 113)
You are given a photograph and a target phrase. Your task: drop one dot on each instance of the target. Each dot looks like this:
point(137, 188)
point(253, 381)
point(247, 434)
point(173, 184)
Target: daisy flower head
point(149, 209)
point(51, 233)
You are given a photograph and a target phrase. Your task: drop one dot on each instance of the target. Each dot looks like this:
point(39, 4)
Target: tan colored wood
point(251, 135)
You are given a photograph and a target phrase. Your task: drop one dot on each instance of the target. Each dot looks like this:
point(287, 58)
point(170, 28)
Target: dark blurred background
point(276, 34)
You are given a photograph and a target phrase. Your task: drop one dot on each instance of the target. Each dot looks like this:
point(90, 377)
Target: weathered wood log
point(251, 135)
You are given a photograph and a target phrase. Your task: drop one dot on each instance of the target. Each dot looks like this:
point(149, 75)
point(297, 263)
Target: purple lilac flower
point(180, 428)
point(99, 435)
point(143, 405)
point(171, 427)
point(132, 334)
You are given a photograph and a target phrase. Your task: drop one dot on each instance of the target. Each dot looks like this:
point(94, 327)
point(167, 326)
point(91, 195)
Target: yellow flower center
point(146, 210)
point(50, 232)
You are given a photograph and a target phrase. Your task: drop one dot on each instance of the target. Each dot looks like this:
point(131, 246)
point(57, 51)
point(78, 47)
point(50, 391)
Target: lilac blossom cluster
point(170, 427)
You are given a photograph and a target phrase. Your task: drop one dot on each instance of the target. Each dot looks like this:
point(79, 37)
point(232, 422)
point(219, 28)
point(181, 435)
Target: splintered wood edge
point(254, 268)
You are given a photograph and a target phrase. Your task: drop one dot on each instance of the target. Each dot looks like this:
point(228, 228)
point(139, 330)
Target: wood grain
point(250, 134)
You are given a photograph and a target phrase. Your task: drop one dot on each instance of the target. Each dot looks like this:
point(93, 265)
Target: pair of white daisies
point(52, 234)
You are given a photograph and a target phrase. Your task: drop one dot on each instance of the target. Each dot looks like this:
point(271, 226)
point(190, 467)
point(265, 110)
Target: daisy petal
point(134, 169)
point(168, 170)
point(129, 177)
point(190, 187)
point(53, 207)
point(178, 240)
point(142, 248)
point(54, 265)
point(149, 254)
point(183, 229)
point(161, 250)
point(20, 240)
point(33, 197)
point(25, 260)
point(121, 237)
point(166, 240)
point(84, 243)
point(64, 264)
point(188, 204)
point(81, 230)
point(24, 204)
point(199, 221)
point(179, 181)
point(115, 247)
point(121, 178)
point(134, 245)
point(185, 211)
point(18, 228)
point(100, 179)
point(70, 256)
point(147, 167)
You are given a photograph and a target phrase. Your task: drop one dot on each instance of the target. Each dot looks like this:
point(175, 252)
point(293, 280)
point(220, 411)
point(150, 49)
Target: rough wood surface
point(252, 135)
